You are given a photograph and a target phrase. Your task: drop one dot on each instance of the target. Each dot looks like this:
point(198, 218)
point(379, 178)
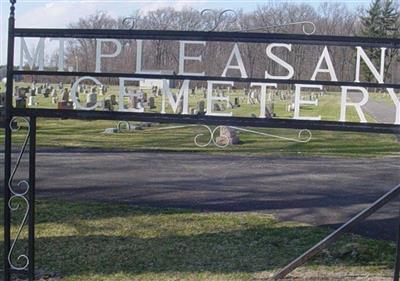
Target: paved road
point(321, 191)
point(382, 112)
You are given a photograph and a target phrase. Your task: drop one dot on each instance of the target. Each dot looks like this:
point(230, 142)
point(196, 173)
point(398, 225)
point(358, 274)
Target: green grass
point(89, 134)
point(98, 241)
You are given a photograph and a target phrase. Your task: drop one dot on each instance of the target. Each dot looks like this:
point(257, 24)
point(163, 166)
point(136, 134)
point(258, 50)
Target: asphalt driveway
point(316, 190)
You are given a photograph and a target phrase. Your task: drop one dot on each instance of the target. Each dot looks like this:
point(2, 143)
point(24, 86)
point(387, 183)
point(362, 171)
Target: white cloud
point(58, 14)
point(55, 14)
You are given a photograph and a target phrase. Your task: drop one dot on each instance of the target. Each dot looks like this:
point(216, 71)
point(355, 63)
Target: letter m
point(38, 55)
point(183, 94)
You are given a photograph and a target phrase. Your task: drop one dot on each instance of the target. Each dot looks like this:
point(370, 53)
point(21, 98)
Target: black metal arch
point(30, 116)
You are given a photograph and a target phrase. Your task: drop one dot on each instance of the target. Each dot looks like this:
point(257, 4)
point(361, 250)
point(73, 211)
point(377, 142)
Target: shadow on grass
point(246, 250)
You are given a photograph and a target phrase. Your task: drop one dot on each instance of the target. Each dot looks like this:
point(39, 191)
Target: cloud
point(58, 14)
point(55, 14)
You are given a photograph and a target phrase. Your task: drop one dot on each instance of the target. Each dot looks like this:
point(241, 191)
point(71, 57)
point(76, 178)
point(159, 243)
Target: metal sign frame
point(27, 195)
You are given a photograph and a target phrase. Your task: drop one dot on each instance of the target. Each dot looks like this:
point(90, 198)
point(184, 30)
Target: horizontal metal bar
point(205, 78)
point(250, 37)
point(374, 207)
point(210, 120)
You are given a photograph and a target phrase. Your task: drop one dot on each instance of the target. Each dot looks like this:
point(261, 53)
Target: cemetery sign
point(33, 63)
point(216, 82)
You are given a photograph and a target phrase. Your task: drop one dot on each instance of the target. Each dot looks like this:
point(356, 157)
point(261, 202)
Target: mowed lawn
point(98, 241)
point(89, 134)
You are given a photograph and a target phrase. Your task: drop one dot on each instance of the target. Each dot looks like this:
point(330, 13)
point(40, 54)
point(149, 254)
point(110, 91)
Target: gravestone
point(32, 101)
point(152, 104)
point(179, 109)
point(154, 91)
point(216, 107)
point(65, 105)
point(39, 90)
point(46, 92)
point(16, 91)
point(32, 92)
point(108, 105)
point(103, 89)
point(237, 103)
point(22, 92)
point(53, 93)
point(113, 100)
point(2, 99)
point(91, 99)
point(200, 107)
point(20, 102)
point(291, 107)
point(65, 95)
point(227, 135)
point(133, 102)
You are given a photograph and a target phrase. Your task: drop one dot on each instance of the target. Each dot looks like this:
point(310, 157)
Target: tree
point(381, 20)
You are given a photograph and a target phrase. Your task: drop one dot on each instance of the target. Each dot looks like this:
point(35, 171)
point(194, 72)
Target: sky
point(59, 13)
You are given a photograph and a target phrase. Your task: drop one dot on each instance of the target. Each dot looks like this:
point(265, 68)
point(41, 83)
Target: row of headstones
point(64, 102)
point(312, 97)
point(91, 100)
point(144, 102)
point(200, 107)
point(136, 101)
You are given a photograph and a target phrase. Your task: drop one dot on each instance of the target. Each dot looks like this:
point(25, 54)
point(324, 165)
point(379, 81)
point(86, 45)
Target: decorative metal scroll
point(129, 22)
point(219, 18)
point(303, 136)
point(227, 17)
point(307, 26)
point(230, 16)
point(19, 193)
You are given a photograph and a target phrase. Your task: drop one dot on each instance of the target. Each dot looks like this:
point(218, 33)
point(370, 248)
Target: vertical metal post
point(31, 198)
point(397, 261)
point(7, 141)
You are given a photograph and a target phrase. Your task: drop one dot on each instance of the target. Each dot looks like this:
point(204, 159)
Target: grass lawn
point(98, 241)
point(89, 134)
